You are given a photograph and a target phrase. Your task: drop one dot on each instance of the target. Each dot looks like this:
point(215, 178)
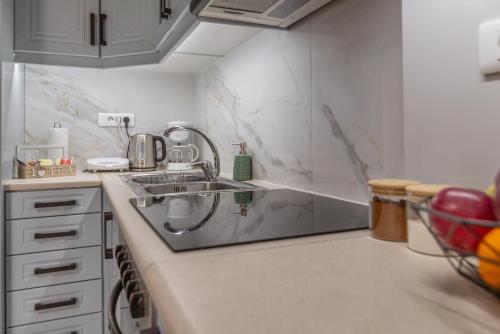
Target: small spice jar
point(419, 238)
point(388, 208)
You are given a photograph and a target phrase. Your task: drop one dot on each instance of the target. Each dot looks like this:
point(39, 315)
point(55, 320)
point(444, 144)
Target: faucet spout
point(215, 152)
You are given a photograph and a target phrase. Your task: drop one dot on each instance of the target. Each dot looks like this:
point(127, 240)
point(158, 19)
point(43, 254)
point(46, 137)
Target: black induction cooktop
point(197, 221)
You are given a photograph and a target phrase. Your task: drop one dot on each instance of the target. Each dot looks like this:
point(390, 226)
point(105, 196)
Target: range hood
point(275, 13)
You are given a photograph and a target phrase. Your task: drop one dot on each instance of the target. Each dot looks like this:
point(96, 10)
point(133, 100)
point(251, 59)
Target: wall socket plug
point(113, 119)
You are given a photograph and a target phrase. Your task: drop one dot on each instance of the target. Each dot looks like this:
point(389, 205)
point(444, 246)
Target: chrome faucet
point(210, 172)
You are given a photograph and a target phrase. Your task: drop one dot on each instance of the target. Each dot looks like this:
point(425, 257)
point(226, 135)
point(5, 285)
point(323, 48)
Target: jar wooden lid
point(391, 186)
point(424, 190)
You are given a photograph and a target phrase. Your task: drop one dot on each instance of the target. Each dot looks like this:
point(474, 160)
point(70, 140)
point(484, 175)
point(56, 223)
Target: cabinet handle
point(70, 233)
point(92, 29)
point(102, 31)
point(108, 252)
point(165, 11)
point(48, 306)
point(41, 271)
point(114, 326)
point(41, 205)
point(136, 303)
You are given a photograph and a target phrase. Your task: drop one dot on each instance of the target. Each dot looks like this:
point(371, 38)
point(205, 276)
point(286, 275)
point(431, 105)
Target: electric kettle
point(142, 152)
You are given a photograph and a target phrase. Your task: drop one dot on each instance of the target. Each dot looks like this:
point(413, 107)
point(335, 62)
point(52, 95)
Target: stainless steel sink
point(190, 187)
point(157, 184)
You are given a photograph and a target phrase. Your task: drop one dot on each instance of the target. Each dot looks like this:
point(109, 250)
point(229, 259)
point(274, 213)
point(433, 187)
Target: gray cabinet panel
point(52, 233)
point(56, 27)
point(44, 203)
point(53, 302)
point(51, 268)
point(130, 26)
point(177, 8)
point(87, 324)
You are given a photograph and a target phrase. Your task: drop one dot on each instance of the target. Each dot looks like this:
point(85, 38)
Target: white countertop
point(337, 283)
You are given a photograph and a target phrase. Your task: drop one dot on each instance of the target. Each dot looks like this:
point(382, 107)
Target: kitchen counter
point(342, 283)
point(80, 180)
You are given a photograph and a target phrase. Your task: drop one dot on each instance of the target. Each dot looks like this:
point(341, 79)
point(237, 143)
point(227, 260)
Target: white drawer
point(53, 302)
point(49, 268)
point(87, 324)
point(43, 203)
point(52, 233)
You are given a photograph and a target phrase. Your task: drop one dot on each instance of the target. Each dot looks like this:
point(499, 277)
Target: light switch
point(489, 47)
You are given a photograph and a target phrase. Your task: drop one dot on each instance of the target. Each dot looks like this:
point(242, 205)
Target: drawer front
point(54, 302)
point(49, 268)
point(52, 233)
point(45, 203)
point(87, 324)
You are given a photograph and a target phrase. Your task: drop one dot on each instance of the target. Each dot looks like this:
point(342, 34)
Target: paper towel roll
point(58, 136)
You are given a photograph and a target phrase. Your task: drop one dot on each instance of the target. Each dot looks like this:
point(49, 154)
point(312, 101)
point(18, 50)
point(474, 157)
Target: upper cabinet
point(130, 28)
point(112, 33)
point(95, 33)
point(57, 31)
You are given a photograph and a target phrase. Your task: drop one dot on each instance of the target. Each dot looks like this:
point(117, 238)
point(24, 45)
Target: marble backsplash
point(320, 106)
point(74, 97)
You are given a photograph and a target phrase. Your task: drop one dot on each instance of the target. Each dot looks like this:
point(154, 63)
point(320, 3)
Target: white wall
point(320, 106)
point(452, 113)
point(74, 96)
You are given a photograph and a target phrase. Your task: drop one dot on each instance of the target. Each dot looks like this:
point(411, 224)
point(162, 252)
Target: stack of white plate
point(107, 164)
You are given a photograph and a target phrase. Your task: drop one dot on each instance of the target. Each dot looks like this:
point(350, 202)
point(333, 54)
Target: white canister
point(419, 238)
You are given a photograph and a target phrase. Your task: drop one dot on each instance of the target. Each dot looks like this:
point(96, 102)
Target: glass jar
point(420, 239)
point(388, 208)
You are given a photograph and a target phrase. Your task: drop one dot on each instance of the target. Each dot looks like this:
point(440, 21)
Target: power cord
point(126, 120)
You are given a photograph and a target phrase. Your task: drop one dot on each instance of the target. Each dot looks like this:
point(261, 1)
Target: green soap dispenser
point(242, 168)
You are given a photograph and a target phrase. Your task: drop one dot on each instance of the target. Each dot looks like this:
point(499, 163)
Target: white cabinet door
point(47, 27)
point(129, 26)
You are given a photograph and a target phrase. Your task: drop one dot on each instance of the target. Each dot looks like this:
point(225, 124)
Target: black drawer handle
point(41, 271)
point(70, 233)
point(102, 31)
point(40, 205)
point(165, 11)
point(48, 306)
point(92, 29)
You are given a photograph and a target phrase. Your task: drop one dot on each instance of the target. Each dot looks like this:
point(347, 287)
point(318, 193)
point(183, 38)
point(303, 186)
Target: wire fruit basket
point(466, 262)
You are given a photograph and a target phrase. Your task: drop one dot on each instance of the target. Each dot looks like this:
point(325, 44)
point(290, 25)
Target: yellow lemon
point(491, 191)
point(488, 252)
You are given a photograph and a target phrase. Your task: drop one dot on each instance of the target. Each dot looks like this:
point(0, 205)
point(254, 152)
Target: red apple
point(497, 197)
point(465, 203)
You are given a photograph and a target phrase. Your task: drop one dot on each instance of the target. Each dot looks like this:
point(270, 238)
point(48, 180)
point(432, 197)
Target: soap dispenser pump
point(242, 168)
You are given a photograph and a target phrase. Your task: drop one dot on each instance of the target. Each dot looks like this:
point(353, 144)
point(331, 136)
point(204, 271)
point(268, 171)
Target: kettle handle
point(163, 147)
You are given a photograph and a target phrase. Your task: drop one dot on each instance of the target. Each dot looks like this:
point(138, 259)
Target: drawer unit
point(87, 324)
point(52, 233)
point(49, 268)
point(53, 302)
point(44, 203)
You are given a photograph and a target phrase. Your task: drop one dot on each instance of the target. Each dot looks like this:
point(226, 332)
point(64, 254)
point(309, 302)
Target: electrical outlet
point(113, 119)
